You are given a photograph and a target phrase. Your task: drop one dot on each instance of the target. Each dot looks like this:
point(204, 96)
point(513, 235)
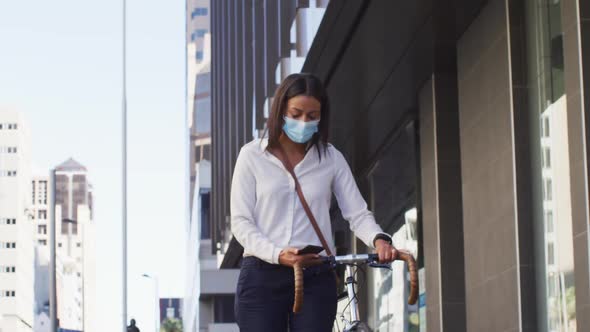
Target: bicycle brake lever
point(381, 266)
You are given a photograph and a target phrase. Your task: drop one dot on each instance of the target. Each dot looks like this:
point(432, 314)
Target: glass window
point(549, 220)
point(205, 222)
point(550, 174)
point(199, 55)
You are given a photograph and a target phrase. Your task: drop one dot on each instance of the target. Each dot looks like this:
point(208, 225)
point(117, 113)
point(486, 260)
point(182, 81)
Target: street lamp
point(157, 296)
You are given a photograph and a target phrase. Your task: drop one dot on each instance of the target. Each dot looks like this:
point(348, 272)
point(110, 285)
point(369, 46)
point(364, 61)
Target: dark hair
point(300, 84)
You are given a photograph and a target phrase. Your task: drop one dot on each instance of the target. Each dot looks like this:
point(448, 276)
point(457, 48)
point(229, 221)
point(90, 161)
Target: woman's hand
point(387, 253)
point(290, 256)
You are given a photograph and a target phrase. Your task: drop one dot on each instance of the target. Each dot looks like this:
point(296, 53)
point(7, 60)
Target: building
point(473, 113)
point(209, 300)
point(198, 58)
point(16, 230)
point(170, 308)
point(210, 295)
point(39, 209)
point(75, 248)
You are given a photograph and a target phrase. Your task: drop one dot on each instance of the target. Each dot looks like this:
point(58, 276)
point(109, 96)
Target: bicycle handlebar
point(358, 259)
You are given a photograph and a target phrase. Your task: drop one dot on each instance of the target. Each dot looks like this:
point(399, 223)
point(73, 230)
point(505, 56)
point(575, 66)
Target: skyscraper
point(16, 231)
point(75, 249)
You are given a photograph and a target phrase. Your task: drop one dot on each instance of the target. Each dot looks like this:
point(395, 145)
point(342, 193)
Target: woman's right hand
point(290, 256)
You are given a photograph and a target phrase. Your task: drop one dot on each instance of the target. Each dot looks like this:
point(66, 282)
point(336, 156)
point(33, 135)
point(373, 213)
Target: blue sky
point(60, 64)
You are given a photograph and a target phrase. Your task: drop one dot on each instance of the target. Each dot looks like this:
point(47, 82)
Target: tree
point(171, 325)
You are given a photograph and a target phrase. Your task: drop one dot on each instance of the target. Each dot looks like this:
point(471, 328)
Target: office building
point(75, 248)
point(210, 295)
point(170, 308)
point(16, 229)
point(473, 113)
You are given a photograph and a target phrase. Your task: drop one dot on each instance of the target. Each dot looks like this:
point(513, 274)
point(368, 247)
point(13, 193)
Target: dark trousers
point(264, 298)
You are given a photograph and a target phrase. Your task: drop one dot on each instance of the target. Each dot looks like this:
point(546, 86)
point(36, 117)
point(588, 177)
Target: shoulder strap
point(283, 158)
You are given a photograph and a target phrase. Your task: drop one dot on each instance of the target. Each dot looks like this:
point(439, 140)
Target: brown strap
point(283, 158)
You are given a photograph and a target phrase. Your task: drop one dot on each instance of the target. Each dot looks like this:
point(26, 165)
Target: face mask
point(300, 131)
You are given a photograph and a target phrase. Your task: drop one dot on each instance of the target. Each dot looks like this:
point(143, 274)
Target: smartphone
point(311, 249)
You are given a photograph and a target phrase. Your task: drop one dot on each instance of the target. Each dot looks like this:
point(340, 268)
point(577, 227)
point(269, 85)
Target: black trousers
point(264, 298)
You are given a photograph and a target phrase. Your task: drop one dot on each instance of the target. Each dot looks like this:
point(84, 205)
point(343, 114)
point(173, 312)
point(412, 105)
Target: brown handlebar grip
point(298, 270)
point(407, 257)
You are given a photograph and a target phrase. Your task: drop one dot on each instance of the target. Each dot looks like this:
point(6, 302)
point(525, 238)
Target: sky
point(60, 65)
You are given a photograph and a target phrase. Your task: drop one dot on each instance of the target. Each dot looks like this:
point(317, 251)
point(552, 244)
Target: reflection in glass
point(552, 217)
point(392, 183)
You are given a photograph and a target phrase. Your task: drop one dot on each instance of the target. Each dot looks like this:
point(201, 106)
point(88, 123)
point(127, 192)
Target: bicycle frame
point(352, 301)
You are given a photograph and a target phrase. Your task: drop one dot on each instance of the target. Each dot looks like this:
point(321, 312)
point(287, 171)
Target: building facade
point(473, 114)
point(75, 248)
point(240, 34)
point(16, 230)
point(40, 191)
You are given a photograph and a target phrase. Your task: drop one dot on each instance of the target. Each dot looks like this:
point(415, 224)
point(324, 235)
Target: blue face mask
point(300, 131)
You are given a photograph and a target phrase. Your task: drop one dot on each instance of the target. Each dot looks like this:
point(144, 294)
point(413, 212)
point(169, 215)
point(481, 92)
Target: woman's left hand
point(387, 253)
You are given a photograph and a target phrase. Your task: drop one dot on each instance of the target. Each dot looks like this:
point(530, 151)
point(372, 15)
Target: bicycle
point(352, 261)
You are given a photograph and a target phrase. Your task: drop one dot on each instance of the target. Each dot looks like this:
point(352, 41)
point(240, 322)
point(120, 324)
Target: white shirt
point(266, 214)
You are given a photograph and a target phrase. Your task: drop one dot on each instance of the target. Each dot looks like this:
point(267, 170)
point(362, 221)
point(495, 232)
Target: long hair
point(297, 85)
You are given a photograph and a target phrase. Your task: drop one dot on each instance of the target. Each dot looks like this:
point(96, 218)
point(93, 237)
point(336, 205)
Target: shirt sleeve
point(243, 225)
point(352, 204)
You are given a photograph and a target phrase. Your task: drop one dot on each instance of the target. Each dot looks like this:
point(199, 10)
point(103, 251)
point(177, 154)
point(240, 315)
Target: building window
point(205, 217)
point(199, 55)
point(550, 253)
point(555, 282)
point(199, 33)
point(199, 12)
point(549, 221)
point(7, 245)
point(546, 129)
point(7, 221)
point(42, 229)
point(42, 242)
point(79, 245)
point(42, 214)
point(546, 157)
point(59, 244)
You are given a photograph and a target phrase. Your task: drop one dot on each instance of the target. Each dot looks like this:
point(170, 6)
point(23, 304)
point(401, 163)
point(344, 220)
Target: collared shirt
point(266, 214)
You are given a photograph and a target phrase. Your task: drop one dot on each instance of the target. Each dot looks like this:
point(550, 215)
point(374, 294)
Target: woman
point(268, 218)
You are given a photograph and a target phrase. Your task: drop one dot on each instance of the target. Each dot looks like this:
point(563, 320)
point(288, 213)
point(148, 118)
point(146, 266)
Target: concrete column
point(442, 218)
point(498, 234)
